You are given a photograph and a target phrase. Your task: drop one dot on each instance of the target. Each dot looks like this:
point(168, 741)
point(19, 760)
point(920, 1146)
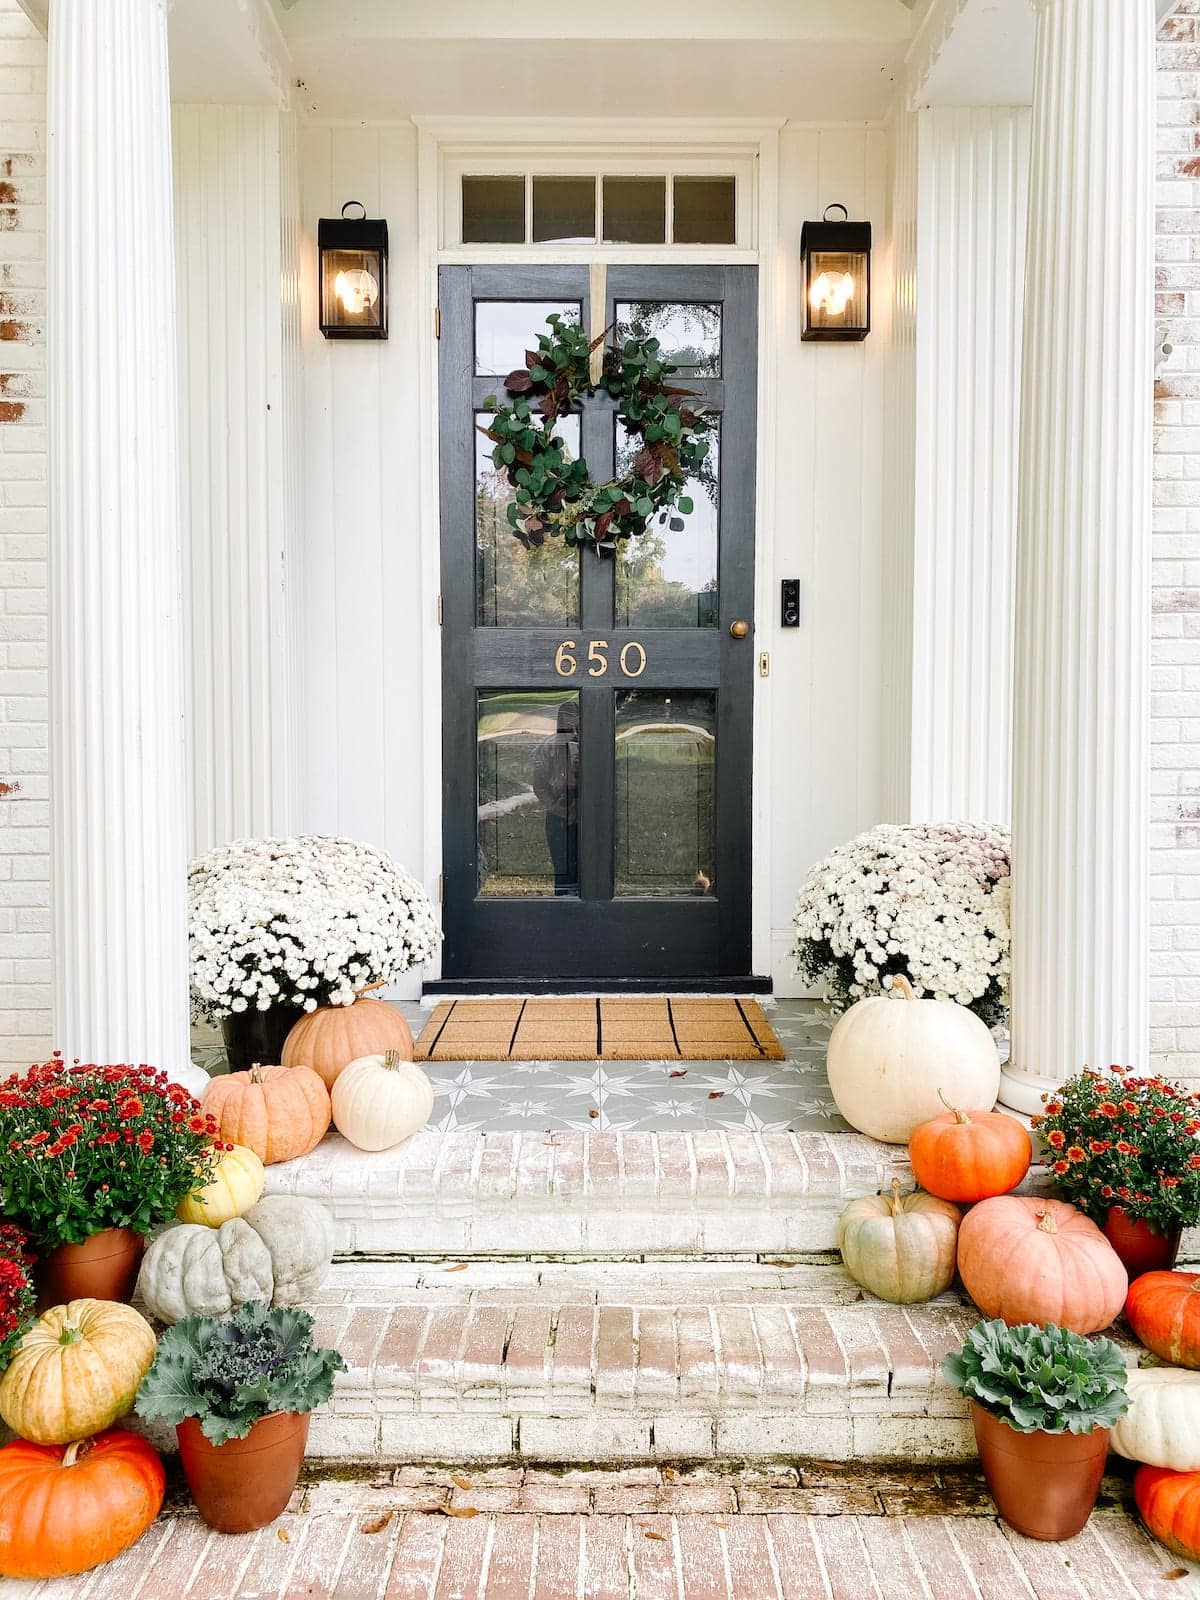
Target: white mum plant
point(304, 922)
point(930, 901)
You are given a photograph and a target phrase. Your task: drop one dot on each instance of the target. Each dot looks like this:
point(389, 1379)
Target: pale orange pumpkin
point(331, 1037)
point(1031, 1260)
point(278, 1112)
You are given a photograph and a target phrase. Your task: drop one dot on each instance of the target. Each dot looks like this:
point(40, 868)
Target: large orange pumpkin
point(1170, 1507)
point(1030, 1260)
point(1164, 1312)
point(331, 1037)
point(278, 1112)
point(970, 1155)
point(63, 1511)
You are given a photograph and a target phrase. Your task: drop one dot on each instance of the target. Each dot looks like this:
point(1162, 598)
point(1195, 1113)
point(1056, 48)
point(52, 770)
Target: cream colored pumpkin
point(76, 1370)
point(235, 1184)
point(279, 1252)
point(892, 1057)
point(378, 1101)
point(902, 1247)
point(1162, 1425)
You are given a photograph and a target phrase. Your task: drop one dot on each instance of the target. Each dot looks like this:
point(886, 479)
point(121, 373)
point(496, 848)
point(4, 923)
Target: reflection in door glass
point(506, 329)
point(528, 807)
point(666, 792)
point(665, 579)
point(689, 332)
point(516, 587)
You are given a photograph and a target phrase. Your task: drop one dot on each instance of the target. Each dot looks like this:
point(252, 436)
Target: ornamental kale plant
point(230, 1372)
point(84, 1148)
point(16, 1288)
point(1119, 1140)
point(931, 902)
point(1041, 1380)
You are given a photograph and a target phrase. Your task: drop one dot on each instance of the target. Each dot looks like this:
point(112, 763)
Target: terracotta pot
point(1140, 1247)
point(245, 1483)
point(1044, 1484)
point(104, 1267)
point(253, 1037)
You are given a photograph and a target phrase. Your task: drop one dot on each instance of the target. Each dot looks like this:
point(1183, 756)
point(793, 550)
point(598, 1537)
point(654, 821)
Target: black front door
point(598, 710)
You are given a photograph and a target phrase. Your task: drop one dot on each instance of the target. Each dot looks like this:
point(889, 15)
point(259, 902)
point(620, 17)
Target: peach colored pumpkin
point(1031, 1260)
point(278, 1112)
point(331, 1037)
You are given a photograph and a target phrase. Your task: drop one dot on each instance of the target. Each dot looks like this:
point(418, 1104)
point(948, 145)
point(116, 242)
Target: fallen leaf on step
point(680, 1072)
point(282, 1533)
point(461, 1481)
point(593, 1112)
point(720, 1524)
point(377, 1524)
point(716, 1094)
point(650, 1534)
point(459, 1266)
point(859, 1296)
point(460, 1511)
point(780, 1263)
point(1176, 1572)
point(670, 1474)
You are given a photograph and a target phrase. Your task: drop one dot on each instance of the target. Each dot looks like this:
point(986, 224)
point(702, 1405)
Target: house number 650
point(632, 659)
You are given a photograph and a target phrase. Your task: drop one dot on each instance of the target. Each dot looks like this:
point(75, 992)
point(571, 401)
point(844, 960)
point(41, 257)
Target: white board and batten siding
point(367, 697)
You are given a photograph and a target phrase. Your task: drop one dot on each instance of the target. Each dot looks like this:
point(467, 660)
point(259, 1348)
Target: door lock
point(739, 629)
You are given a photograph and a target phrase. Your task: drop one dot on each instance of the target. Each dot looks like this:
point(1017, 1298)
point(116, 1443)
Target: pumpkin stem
point(76, 1449)
point(256, 1072)
point(367, 987)
point(69, 1334)
point(1046, 1223)
point(961, 1116)
point(391, 1060)
point(899, 981)
point(896, 1197)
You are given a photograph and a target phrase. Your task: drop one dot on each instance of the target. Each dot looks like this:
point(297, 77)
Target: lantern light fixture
point(836, 267)
point(353, 255)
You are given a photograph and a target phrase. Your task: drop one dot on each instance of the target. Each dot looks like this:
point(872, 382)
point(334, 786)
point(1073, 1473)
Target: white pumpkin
point(380, 1100)
point(892, 1058)
point(279, 1252)
point(1162, 1425)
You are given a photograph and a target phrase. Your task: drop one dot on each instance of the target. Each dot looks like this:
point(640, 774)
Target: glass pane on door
point(688, 332)
point(665, 579)
point(527, 818)
point(666, 749)
point(505, 329)
point(516, 587)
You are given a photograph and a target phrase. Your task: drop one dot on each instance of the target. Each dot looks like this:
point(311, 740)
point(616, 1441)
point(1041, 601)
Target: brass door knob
point(739, 629)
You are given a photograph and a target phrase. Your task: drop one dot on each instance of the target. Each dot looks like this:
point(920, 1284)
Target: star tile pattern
point(631, 1096)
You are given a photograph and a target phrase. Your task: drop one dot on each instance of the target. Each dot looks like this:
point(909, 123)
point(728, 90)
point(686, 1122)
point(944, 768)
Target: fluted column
point(1081, 707)
point(118, 797)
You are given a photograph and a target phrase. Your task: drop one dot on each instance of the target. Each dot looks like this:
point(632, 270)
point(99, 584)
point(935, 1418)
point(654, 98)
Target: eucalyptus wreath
point(553, 495)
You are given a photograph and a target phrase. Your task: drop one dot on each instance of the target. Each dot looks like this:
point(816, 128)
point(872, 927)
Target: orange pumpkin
point(1164, 1312)
point(68, 1509)
point(970, 1155)
point(1170, 1506)
point(331, 1037)
point(1030, 1260)
point(278, 1112)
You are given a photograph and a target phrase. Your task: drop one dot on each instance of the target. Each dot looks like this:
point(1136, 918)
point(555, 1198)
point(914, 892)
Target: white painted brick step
point(561, 1363)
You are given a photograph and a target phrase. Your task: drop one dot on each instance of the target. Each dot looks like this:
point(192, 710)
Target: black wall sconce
point(836, 258)
point(353, 275)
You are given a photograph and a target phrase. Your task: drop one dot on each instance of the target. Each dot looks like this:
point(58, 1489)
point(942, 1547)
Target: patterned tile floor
point(620, 1096)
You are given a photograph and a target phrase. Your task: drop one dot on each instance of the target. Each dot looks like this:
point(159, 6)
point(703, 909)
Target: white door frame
point(442, 143)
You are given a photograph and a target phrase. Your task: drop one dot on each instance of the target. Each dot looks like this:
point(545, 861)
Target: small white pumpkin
point(892, 1058)
point(902, 1247)
point(279, 1252)
point(378, 1101)
point(1162, 1425)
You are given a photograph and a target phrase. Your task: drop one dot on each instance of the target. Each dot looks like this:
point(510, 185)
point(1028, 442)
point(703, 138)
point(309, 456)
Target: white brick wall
point(24, 819)
point(1175, 728)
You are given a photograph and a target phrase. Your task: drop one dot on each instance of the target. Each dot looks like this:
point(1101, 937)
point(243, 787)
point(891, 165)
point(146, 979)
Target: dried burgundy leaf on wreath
point(548, 405)
point(518, 382)
point(532, 358)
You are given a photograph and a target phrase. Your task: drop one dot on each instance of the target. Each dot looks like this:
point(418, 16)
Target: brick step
point(569, 1363)
point(716, 1194)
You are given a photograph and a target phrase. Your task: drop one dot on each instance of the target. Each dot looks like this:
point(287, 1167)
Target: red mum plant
point(17, 1297)
point(1117, 1140)
point(89, 1147)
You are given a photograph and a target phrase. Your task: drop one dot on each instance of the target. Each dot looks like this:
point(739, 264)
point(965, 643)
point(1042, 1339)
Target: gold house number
point(632, 659)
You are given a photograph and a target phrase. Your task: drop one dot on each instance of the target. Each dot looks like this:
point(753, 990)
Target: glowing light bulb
point(357, 290)
point(831, 293)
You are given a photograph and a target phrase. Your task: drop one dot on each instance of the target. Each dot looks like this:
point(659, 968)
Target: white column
point(1081, 706)
point(118, 798)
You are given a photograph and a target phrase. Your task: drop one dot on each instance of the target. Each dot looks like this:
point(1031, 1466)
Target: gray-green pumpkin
point(278, 1252)
point(902, 1247)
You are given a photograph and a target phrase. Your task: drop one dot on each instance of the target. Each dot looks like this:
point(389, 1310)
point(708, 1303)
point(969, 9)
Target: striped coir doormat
point(617, 1028)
